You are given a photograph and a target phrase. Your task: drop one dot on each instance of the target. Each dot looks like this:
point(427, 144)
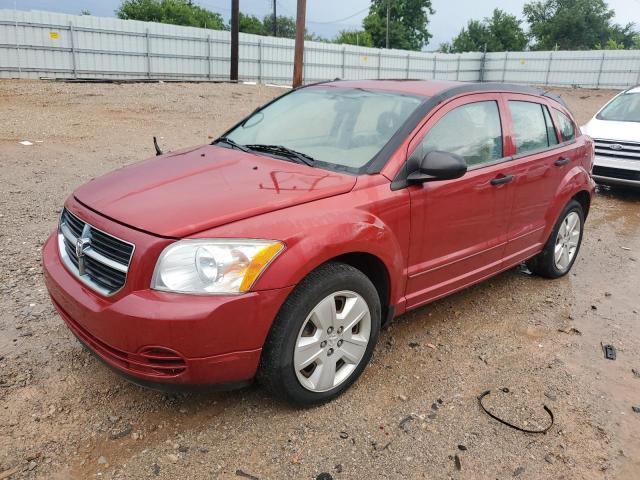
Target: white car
point(616, 132)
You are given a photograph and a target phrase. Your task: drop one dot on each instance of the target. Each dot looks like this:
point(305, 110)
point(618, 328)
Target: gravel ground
point(413, 414)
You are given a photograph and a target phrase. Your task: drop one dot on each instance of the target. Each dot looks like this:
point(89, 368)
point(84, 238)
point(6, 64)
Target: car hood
point(608, 130)
point(178, 194)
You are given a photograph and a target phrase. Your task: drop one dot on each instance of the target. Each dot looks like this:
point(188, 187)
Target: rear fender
point(577, 179)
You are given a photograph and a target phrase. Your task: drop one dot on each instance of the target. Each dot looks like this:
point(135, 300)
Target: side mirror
point(437, 165)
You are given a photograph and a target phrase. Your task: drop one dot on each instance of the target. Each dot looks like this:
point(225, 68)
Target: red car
point(278, 251)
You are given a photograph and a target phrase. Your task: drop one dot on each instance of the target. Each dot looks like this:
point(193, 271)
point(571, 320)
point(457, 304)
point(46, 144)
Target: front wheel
point(323, 336)
point(561, 250)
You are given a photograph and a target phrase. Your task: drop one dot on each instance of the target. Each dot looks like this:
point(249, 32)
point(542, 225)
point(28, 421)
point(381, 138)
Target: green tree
point(506, 32)
point(354, 37)
point(472, 38)
point(408, 22)
point(445, 47)
point(286, 26)
point(498, 33)
point(610, 45)
point(250, 24)
point(176, 12)
point(314, 37)
point(625, 36)
point(569, 24)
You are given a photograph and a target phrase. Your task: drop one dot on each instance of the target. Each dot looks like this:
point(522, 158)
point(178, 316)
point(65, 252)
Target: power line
point(347, 18)
point(286, 9)
point(330, 21)
point(205, 4)
point(211, 4)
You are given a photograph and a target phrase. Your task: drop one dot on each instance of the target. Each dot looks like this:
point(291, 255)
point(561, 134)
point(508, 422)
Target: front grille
point(98, 259)
point(616, 173)
point(616, 149)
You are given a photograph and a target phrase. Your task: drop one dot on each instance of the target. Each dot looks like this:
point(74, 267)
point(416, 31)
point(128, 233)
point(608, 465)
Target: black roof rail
point(556, 97)
point(500, 87)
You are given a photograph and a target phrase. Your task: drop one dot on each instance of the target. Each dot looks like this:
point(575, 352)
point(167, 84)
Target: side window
point(531, 128)
point(552, 137)
point(567, 130)
point(472, 131)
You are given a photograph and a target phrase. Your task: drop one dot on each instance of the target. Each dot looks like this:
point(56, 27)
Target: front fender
point(372, 220)
point(311, 248)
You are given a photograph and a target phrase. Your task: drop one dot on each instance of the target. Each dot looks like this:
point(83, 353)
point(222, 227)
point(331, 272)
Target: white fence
point(52, 45)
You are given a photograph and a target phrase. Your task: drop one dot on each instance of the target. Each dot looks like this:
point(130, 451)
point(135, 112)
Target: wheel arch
point(583, 197)
point(365, 243)
point(576, 185)
point(376, 271)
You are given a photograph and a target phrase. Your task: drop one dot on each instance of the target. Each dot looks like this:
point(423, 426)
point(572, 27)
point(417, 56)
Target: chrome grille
point(98, 259)
point(617, 149)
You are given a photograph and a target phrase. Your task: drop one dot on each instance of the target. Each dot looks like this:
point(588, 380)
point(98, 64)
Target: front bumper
point(615, 171)
point(158, 338)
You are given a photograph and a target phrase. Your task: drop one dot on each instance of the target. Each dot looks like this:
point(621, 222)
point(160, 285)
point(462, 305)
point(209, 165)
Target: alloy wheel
point(567, 241)
point(332, 341)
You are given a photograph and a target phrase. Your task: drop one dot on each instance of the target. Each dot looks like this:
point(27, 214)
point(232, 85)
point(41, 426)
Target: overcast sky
point(327, 17)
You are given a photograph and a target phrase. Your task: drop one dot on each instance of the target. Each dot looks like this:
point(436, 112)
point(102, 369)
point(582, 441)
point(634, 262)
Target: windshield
point(337, 127)
point(623, 108)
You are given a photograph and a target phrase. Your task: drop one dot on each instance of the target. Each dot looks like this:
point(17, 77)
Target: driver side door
point(459, 227)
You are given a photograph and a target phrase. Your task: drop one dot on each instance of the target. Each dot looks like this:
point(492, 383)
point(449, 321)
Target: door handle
point(561, 161)
point(502, 180)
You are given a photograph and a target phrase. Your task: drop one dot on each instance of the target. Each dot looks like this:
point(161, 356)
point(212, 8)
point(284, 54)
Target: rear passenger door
point(539, 162)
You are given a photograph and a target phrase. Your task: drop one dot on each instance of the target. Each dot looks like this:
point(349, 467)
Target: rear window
point(623, 108)
point(532, 126)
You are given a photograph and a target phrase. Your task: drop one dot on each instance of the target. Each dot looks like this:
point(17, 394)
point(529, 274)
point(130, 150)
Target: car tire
point(303, 331)
point(565, 239)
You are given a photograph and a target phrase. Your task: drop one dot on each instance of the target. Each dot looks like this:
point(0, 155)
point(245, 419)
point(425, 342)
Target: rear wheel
point(561, 250)
point(323, 336)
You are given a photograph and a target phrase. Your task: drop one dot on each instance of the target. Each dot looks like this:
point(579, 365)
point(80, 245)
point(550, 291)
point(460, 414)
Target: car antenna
point(155, 144)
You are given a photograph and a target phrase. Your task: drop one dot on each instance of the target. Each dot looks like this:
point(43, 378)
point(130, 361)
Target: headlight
point(213, 265)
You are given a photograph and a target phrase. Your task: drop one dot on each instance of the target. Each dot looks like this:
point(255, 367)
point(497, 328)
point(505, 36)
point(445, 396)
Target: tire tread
point(543, 264)
point(271, 371)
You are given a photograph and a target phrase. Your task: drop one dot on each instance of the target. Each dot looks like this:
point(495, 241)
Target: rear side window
point(567, 130)
point(472, 131)
point(532, 126)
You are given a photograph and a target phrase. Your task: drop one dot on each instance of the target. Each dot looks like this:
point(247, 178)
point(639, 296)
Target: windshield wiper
point(231, 143)
point(283, 151)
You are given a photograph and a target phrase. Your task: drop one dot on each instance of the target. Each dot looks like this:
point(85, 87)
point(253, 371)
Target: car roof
point(441, 88)
point(425, 88)
point(635, 89)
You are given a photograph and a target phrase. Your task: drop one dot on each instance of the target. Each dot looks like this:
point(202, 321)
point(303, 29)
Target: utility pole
point(387, 24)
point(235, 9)
point(298, 57)
point(275, 20)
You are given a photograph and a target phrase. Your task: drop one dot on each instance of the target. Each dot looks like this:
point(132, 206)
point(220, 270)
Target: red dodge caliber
point(279, 250)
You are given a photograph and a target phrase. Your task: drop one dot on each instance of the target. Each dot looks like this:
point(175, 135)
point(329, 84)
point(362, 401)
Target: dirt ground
point(413, 414)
